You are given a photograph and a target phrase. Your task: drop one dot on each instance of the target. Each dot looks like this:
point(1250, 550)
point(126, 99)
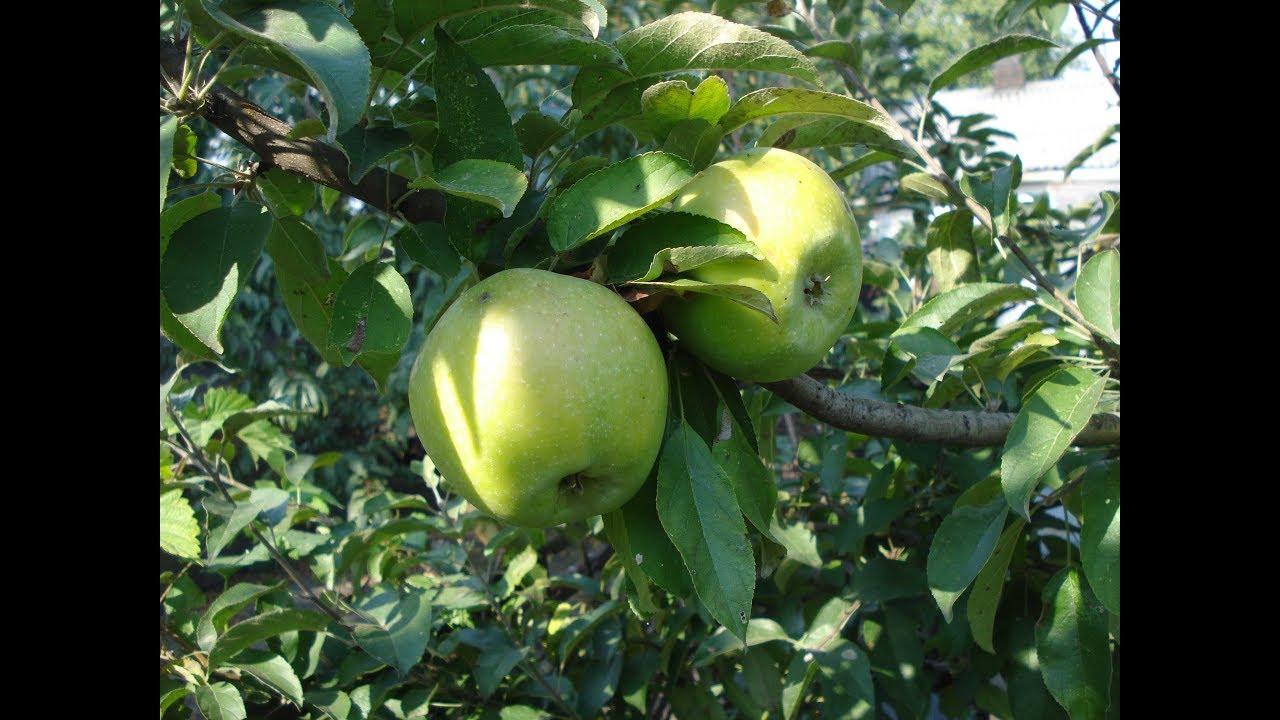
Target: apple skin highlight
point(541, 398)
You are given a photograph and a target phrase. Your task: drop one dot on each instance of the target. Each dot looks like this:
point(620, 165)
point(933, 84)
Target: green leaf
point(311, 307)
point(645, 250)
point(742, 294)
point(989, 586)
point(952, 253)
point(994, 190)
point(294, 246)
point(397, 627)
point(372, 313)
point(799, 131)
point(260, 500)
point(699, 511)
point(262, 437)
point(1100, 533)
point(581, 627)
point(225, 607)
point(207, 263)
point(260, 627)
point(615, 528)
point(847, 689)
point(654, 554)
point(1074, 652)
point(768, 102)
point(184, 150)
point(474, 123)
point(1046, 423)
point(1032, 346)
point(178, 527)
point(614, 196)
point(320, 39)
point(1075, 52)
point(1106, 138)
point(171, 691)
point(689, 41)
point(964, 542)
point(695, 140)
point(285, 193)
point(800, 674)
point(272, 671)
point(899, 7)
point(949, 311)
point(367, 148)
point(983, 56)
point(538, 132)
point(306, 127)
point(723, 642)
point(413, 17)
point(841, 50)
point(666, 104)
point(220, 701)
point(753, 482)
point(927, 185)
point(488, 181)
point(336, 704)
point(1098, 292)
point(934, 352)
point(168, 127)
point(536, 44)
point(579, 169)
point(428, 245)
point(180, 212)
point(882, 580)
point(218, 406)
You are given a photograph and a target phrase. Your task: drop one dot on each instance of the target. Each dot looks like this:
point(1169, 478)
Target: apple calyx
point(813, 291)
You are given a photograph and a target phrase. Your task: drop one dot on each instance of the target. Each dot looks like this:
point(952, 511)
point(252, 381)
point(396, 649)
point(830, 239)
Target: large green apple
point(540, 398)
point(811, 271)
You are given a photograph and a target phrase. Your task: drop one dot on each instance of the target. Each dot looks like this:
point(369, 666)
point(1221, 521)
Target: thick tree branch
point(267, 136)
point(904, 422)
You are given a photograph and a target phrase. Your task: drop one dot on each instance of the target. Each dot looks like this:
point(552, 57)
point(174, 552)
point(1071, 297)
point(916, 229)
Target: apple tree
point(926, 521)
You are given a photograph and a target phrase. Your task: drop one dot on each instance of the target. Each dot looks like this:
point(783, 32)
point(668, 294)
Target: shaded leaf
point(320, 39)
point(311, 307)
point(699, 511)
point(285, 193)
point(397, 627)
point(272, 671)
point(225, 607)
point(965, 541)
point(372, 312)
point(1100, 533)
point(488, 181)
point(722, 641)
point(294, 246)
point(653, 550)
point(241, 514)
point(369, 147)
point(742, 294)
point(260, 627)
point(611, 197)
point(988, 587)
point(428, 245)
point(1071, 640)
point(799, 131)
point(538, 132)
point(206, 264)
point(413, 17)
point(645, 251)
point(952, 253)
point(1043, 429)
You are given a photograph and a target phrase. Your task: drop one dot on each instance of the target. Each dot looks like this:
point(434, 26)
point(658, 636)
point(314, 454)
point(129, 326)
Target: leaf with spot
point(1100, 533)
point(741, 294)
point(769, 102)
point(311, 306)
point(369, 147)
point(179, 531)
point(653, 551)
point(949, 311)
point(207, 263)
point(487, 181)
point(616, 530)
point(699, 511)
point(1074, 652)
point(689, 41)
point(988, 587)
point(984, 55)
point(1045, 425)
point(317, 37)
point(372, 312)
point(1098, 292)
point(644, 251)
point(396, 627)
point(609, 198)
point(964, 542)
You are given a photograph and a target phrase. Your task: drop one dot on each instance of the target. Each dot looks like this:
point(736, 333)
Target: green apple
point(811, 271)
point(540, 398)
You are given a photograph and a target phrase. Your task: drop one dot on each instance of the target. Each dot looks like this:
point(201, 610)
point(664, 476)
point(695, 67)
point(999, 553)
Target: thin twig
point(1097, 54)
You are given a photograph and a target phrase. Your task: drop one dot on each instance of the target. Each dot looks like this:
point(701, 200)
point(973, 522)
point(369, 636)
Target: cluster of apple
point(542, 398)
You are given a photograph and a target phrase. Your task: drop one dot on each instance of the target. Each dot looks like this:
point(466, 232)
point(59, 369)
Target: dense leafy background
point(314, 565)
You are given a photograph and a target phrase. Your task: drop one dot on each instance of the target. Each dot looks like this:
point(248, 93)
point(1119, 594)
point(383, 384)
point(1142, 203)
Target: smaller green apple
point(541, 398)
point(811, 271)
